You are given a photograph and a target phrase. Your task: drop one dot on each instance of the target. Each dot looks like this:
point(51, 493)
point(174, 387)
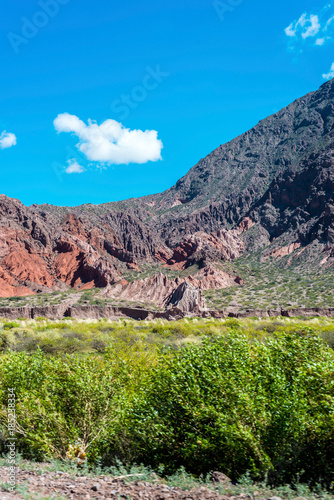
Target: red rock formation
point(158, 289)
point(77, 263)
point(72, 225)
point(203, 247)
point(8, 288)
point(27, 267)
point(45, 252)
point(212, 278)
point(67, 265)
point(43, 255)
point(163, 255)
point(183, 251)
point(245, 224)
point(279, 252)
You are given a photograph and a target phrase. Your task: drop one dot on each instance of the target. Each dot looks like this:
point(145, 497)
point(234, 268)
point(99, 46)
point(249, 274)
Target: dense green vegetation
point(232, 395)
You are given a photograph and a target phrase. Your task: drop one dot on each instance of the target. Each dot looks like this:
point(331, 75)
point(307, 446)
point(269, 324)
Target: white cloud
point(291, 30)
point(329, 75)
point(309, 26)
point(305, 26)
point(328, 23)
point(313, 28)
point(74, 167)
point(7, 140)
point(111, 142)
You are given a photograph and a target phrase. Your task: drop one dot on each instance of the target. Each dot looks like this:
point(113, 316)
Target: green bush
point(240, 399)
point(10, 324)
point(61, 401)
point(237, 406)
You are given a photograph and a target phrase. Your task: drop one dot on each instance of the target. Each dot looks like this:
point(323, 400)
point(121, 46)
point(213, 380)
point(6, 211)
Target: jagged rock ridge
point(270, 189)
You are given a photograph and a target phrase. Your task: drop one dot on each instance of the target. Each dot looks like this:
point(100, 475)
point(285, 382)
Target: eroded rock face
point(40, 251)
point(27, 266)
point(301, 202)
point(211, 278)
point(279, 252)
point(245, 224)
point(159, 289)
point(203, 248)
point(11, 288)
point(187, 298)
point(36, 254)
point(155, 289)
point(185, 295)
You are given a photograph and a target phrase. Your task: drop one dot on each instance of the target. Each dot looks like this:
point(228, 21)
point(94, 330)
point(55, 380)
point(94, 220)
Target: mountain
point(223, 187)
point(266, 196)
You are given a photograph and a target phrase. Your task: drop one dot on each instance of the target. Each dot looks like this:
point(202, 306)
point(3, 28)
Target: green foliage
point(232, 395)
point(10, 324)
point(61, 401)
point(238, 406)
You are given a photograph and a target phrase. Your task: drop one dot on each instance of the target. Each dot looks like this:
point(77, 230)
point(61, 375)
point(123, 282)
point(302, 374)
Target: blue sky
point(169, 80)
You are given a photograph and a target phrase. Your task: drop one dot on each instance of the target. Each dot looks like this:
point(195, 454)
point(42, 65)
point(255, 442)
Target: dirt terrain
point(59, 485)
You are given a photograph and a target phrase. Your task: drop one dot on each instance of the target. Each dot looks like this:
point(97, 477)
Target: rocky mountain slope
point(267, 193)
point(41, 251)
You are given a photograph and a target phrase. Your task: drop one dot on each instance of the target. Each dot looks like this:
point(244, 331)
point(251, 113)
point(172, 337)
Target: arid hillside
point(265, 197)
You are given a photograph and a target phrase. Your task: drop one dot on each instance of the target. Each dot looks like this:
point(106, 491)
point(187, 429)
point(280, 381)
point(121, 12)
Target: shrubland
point(241, 396)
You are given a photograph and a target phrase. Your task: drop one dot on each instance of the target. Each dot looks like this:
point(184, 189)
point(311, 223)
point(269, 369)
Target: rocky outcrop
point(327, 256)
point(187, 298)
point(279, 252)
point(38, 255)
point(211, 278)
point(141, 314)
point(155, 290)
point(300, 203)
point(202, 248)
point(159, 290)
point(27, 266)
point(245, 224)
point(11, 288)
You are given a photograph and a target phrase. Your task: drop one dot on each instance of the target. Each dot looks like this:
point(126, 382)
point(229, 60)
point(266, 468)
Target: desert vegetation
point(274, 283)
point(247, 397)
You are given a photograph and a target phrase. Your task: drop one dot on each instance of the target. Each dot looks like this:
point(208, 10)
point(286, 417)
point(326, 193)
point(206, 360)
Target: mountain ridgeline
point(268, 192)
